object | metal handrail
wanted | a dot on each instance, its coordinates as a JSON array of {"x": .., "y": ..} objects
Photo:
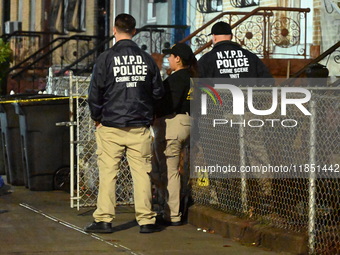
[
  {"x": 74, "y": 37},
  {"x": 256, "y": 11},
  {"x": 295, "y": 76},
  {"x": 146, "y": 28},
  {"x": 36, "y": 53},
  {"x": 5, "y": 37},
  {"x": 189, "y": 37},
  {"x": 89, "y": 53}
]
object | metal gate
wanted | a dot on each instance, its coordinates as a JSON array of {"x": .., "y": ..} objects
[{"x": 83, "y": 159}]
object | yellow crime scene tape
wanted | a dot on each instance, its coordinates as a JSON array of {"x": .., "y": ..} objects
[{"x": 38, "y": 99}]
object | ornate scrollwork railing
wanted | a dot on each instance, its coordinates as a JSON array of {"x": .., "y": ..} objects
[
  {"x": 337, "y": 57},
  {"x": 154, "y": 38},
  {"x": 266, "y": 31}
]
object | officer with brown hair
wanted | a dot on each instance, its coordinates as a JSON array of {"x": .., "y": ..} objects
[{"x": 125, "y": 82}]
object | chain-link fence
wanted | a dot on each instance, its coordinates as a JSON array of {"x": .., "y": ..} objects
[
  {"x": 279, "y": 169},
  {"x": 84, "y": 173},
  {"x": 297, "y": 189}
]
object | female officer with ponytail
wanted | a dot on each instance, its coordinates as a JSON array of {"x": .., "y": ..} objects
[{"x": 172, "y": 126}]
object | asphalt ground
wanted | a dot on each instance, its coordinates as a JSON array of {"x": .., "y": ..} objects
[{"x": 42, "y": 222}]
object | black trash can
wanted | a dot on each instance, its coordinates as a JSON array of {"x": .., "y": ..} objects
[
  {"x": 317, "y": 71},
  {"x": 317, "y": 75},
  {"x": 11, "y": 151},
  {"x": 46, "y": 147}
]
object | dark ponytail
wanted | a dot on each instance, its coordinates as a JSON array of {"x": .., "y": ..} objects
[{"x": 192, "y": 63}]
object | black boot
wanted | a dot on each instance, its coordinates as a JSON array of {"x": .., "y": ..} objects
[{"x": 99, "y": 227}]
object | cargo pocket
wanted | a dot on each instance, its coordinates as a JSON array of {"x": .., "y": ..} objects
[
  {"x": 184, "y": 129},
  {"x": 185, "y": 121},
  {"x": 171, "y": 134},
  {"x": 172, "y": 148}
]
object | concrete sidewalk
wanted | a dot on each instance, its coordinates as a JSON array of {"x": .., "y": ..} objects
[{"x": 43, "y": 223}]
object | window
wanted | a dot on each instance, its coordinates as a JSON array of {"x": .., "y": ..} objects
[
  {"x": 309, "y": 36},
  {"x": 68, "y": 15},
  {"x": 75, "y": 15},
  {"x": 151, "y": 12},
  {"x": 208, "y": 6},
  {"x": 244, "y": 3},
  {"x": 57, "y": 16},
  {"x": 126, "y": 6}
]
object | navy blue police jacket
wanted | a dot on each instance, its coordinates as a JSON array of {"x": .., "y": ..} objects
[
  {"x": 124, "y": 86},
  {"x": 228, "y": 59}
]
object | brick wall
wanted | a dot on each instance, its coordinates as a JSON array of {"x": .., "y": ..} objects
[
  {"x": 14, "y": 10},
  {"x": 39, "y": 15},
  {"x": 91, "y": 16},
  {"x": 25, "y": 17}
]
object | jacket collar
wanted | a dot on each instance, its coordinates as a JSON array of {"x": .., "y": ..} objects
[
  {"x": 226, "y": 42},
  {"x": 126, "y": 42}
]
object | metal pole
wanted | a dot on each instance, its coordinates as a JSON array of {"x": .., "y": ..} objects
[
  {"x": 312, "y": 178},
  {"x": 78, "y": 138},
  {"x": 71, "y": 140},
  {"x": 305, "y": 51},
  {"x": 150, "y": 31},
  {"x": 50, "y": 81},
  {"x": 243, "y": 163},
  {"x": 265, "y": 42}
]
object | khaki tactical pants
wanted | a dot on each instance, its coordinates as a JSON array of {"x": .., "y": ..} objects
[
  {"x": 111, "y": 143},
  {"x": 171, "y": 134}
]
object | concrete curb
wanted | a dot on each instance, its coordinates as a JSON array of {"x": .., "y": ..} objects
[{"x": 248, "y": 231}]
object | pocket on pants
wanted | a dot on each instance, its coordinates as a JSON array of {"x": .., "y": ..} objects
[
  {"x": 172, "y": 148},
  {"x": 99, "y": 150},
  {"x": 185, "y": 122},
  {"x": 146, "y": 149},
  {"x": 171, "y": 133}
]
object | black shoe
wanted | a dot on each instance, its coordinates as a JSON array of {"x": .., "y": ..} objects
[
  {"x": 150, "y": 228},
  {"x": 177, "y": 223},
  {"x": 99, "y": 227},
  {"x": 164, "y": 222}
]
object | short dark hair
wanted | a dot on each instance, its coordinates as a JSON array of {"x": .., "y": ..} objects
[{"x": 125, "y": 23}]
